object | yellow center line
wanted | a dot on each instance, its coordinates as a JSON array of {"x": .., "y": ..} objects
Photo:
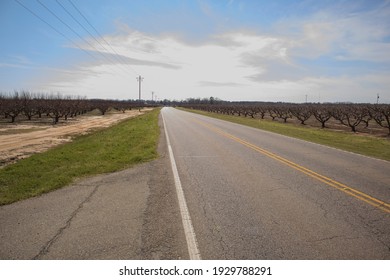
[{"x": 330, "y": 182}]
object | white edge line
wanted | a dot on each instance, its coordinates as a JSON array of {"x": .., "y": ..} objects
[{"x": 189, "y": 232}]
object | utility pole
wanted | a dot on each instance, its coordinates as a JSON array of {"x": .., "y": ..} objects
[
  {"x": 377, "y": 98},
  {"x": 139, "y": 79},
  {"x": 305, "y": 98},
  {"x": 152, "y": 95}
]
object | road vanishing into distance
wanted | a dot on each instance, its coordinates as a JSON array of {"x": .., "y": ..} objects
[
  {"x": 252, "y": 194},
  {"x": 217, "y": 191}
]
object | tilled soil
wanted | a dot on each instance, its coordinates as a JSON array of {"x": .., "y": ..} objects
[{"x": 19, "y": 141}]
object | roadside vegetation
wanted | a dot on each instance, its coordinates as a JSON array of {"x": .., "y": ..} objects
[
  {"x": 378, "y": 147},
  {"x": 26, "y": 106},
  {"x": 107, "y": 150}
]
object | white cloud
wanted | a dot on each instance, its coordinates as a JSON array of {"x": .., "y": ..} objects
[
  {"x": 175, "y": 67},
  {"x": 346, "y": 36},
  {"x": 243, "y": 65}
]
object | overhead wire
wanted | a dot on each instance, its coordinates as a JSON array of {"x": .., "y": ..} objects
[
  {"x": 92, "y": 54},
  {"x": 55, "y": 29},
  {"x": 98, "y": 33},
  {"x": 96, "y": 40},
  {"x": 78, "y": 35}
]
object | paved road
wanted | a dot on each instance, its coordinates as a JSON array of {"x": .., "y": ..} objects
[
  {"x": 250, "y": 195},
  {"x": 257, "y": 195},
  {"x": 131, "y": 214}
]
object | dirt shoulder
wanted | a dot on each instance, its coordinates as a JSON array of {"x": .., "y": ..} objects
[{"x": 19, "y": 141}]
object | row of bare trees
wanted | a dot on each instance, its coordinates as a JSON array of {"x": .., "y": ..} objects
[
  {"x": 350, "y": 115},
  {"x": 56, "y": 106}
]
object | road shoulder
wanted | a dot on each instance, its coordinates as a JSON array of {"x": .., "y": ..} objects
[{"x": 131, "y": 214}]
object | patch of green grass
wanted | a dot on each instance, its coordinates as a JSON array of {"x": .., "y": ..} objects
[
  {"x": 118, "y": 147},
  {"x": 365, "y": 145}
]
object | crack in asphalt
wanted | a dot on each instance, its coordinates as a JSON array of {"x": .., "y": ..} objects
[
  {"x": 323, "y": 209},
  {"x": 333, "y": 237},
  {"x": 378, "y": 233},
  {"x": 45, "y": 249},
  {"x": 214, "y": 230},
  {"x": 327, "y": 238}
]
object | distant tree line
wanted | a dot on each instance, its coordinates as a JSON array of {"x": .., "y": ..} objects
[
  {"x": 350, "y": 115},
  {"x": 28, "y": 105}
]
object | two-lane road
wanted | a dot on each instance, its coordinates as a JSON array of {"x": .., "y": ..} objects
[{"x": 258, "y": 195}]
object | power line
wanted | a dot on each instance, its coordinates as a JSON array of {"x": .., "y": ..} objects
[
  {"x": 78, "y": 35},
  {"x": 55, "y": 29},
  {"x": 79, "y": 23},
  {"x": 139, "y": 78},
  {"x": 99, "y": 35},
  {"x": 74, "y": 43}
]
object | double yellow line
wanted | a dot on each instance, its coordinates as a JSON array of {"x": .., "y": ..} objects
[{"x": 337, "y": 185}]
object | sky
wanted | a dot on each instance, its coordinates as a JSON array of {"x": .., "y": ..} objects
[{"x": 237, "y": 50}]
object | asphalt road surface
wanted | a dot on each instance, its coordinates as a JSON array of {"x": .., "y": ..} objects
[
  {"x": 257, "y": 195},
  {"x": 131, "y": 214},
  {"x": 243, "y": 193}
]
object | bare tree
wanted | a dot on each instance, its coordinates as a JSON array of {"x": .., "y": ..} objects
[
  {"x": 349, "y": 115},
  {"x": 282, "y": 112},
  {"x": 102, "y": 105},
  {"x": 13, "y": 106},
  {"x": 262, "y": 110},
  {"x": 381, "y": 115},
  {"x": 301, "y": 112},
  {"x": 29, "y": 104},
  {"x": 57, "y": 107},
  {"x": 2, "y": 103},
  {"x": 321, "y": 114},
  {"x": 272, "y": 113}
]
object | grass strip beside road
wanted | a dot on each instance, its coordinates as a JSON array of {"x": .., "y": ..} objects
[
  {"x": 366, "y": 145},
  {"x": 121, "y": 146}
]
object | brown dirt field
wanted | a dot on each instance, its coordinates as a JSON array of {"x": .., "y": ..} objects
[{"x": 19, "y": 140}]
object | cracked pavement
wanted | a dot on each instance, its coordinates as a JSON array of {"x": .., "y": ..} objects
[
  {"x": 245, "y": 205},
  {"x": 131, "y": 214}
]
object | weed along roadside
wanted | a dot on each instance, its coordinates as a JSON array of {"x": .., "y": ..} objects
[{"x": 118, "y": 147}]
